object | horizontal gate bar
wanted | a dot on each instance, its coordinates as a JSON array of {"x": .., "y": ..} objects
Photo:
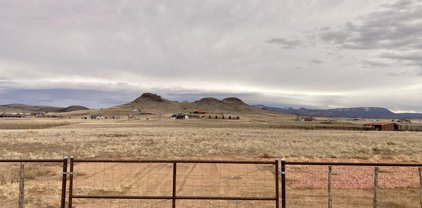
[
  {"x": 30, "y": 160},
  {"x": 120, "y": 197},
  {"x": 177, "y": 161},
  {"x": 226, "y": 198},
  {"x": 177, "y": 197},
  {"x": 356, "y": 164}
]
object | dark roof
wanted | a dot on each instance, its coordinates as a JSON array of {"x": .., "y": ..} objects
[{"x": 379, "y": 123}]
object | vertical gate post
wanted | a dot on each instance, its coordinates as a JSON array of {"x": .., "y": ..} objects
[
  {"x": 21, "y": 185},
  {"x": 174, "y": 185},
  {"x": 420, "y": 186},
  {"x": 376, "y": 187},
  {"x": 330, "y": 196},
  {"x": 277, "y": 184},
  {"x": 283, "y": 183},
  {"x": 64, "y": 177},
  {"x": 70, "y": 181}
]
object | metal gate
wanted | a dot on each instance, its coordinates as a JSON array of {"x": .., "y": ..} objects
[
  {"x": 207, "y": 183},
  {"x": 173, "y": 183}
]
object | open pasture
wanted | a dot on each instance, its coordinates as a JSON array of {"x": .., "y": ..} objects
[
  {"x": 195, "y": 139},
  {"x": 253, "y": 139}
]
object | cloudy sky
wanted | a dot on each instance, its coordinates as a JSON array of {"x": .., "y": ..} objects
[{"x": 311, "y": 53}]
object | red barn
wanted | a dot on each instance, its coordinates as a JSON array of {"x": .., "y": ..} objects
[{"x": 383, "y": 126}]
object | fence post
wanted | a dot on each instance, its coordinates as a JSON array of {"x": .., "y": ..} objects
[
  {"x": 277, "y": 184},
  {"x": 64, "y": 177},
  {"x": 376, "y": 187},
  {"x": 283, "y": 183},
  {"x": 21, "y": 185},
  {"x": 420, "y": 186},
  {"x": 330, "y": 197},
  {"x": 174, "y": 185},
  {"x": 70, "y": 182}
]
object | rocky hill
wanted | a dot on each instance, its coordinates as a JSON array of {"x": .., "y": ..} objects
[
  {"x": 149, "y": 103},
  {"x": 73, "y": 108},
  {"x": 152, "y": 103}
]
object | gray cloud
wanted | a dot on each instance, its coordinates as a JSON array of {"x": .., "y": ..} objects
[
  {"x": 412, "y": 58},
  {"x": 285, "y": 43},
  {"x": 396, "y": 74},
  {"x": 316, "y": 61},
  {"x": 371, "y": 63},
  {"x": 211, "y": 47},
  {"x": 395, "y": 27}
]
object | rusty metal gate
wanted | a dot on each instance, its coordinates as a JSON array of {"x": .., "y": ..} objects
[
  {"x": 207, "y": 183},
  {"x": 173, "y": 183}
]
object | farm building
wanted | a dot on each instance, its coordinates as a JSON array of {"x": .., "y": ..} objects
[
  {"x": 383, "y": 126},
  {"x": 304, "y": 118},
  {"x": 199, "y": 112},
  {"x": 12, "y": 115},
  {"x": 180, "y": 116}
]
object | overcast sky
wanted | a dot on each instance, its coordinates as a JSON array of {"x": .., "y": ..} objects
[{"x": 312, "y": 53}]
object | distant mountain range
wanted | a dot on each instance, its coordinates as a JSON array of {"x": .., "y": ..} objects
[
  {"x": 155, "y": 104},
  {"x": 149, "y": 103},
  {"x": 21, "y": 108},
  {"x": 359, "y": 112}
]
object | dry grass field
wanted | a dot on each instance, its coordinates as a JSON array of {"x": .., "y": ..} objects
[
  {"x": 251, "y": 138},
  {"x": 206, "y": 139},
  {"x": 30, "y": 123}
]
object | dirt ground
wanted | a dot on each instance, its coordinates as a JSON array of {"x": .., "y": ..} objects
[{"x": 306, "y": 186}]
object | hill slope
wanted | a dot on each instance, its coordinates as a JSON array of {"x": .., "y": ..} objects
[
  {"x": 152, "y": 103},
  {"x": 27, "y": 108},
  {"x": 359, "y": 112},
  {"x": 21, "y": 108},
  {"x": 73, "y": 108}
]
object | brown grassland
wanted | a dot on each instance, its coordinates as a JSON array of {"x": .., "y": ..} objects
[
  {"x": 250, "y": 137},
  {"x": 206, "y": 139}
]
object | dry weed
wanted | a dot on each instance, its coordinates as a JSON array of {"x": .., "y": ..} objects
[{"x": 195, "y": 140}]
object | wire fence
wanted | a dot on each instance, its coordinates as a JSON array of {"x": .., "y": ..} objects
[
  {"x": 353, "y": 185},
  {"x": 23, "y": 182},
  {"x": 195, "y": 183}
]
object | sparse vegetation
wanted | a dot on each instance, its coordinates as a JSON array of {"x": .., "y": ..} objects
[
  {"x": 40, "y": 180},
  {"x": 31, "y": 124},
  {"x": 205, "y": 139}
]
